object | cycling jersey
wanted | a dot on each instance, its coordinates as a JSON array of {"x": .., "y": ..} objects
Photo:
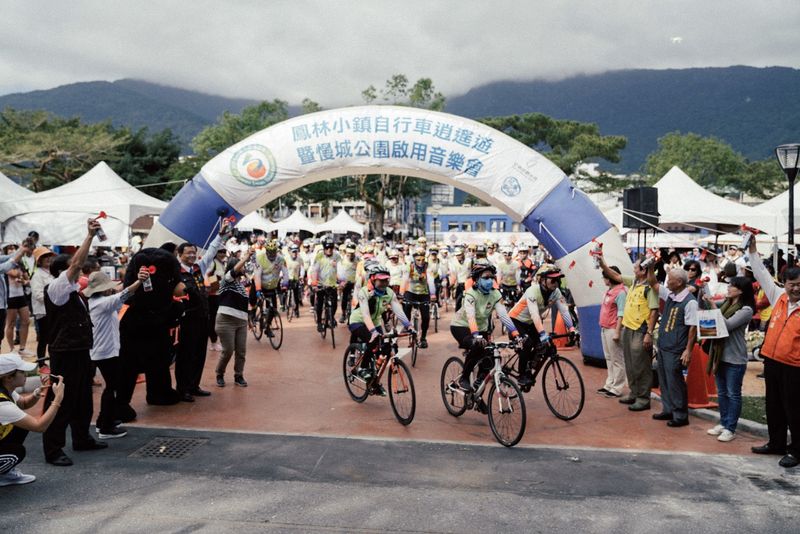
[
  {"x": 477, "y": 309},
  {"x": 324, "y": 269},
  {"x": 366, "y": 299},
  {"x": 508, "y": 272},
  {"x": 532, "y": 302},
  {"x": 269, "y": 272},
  {"x": 397, "y": 272},
  {"x": 295, "y": 268},
  {"x": 460, "y": 270},
  {"x": 420, "y": 281},
  {"x": 347, "y": 270}
]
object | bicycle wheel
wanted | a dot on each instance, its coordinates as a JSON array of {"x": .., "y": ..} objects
[
  {"x": 435, "y": 315},
  {"x": 289, "y": 305},
  {"x": 506, "y": 412},
  {"x": 414, "y": 345},
  {"x": 401, "y": 392},
  {"x": 452, "y": 396},
  {"x": 357, "y": 388},
  {"x": 258, "y": 323},
  {"x": 276, "y": 327},
  {"x": 331, "y": 318},
  {"x": 562, "y": 387}
]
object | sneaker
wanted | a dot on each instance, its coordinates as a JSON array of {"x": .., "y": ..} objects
[
  {"x": 269, "y": 333},
  {"x": 240, "y": 381},
  {"x": 627, "y": 399},
  {"x": 365, "y": 373},
  {"x": 715, "y": 431},
  {"x": 726, "y": 435},
  {"x": 117, "y": 432},
  {"x": 320, "y": 327},
  {"x": 464, "y": 384},
  {"x": 342, "y": 318},
  {"x": 220, "y": 381},
  {"x": 525, "y": 380},
  {"x": 423, "y": 343},
  {"x": 15, "y": 477},
  {"x": 27, "y": 355},
  {"x": 378, "y": 390}
]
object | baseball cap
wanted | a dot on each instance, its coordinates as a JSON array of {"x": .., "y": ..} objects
[{"x": 11, "y": 362}]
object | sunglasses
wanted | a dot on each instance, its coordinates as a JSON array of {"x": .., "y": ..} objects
[{"x": 692, "y": 269}]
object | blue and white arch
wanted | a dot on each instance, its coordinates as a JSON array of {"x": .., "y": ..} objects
[{"x": 412, "y": 142}]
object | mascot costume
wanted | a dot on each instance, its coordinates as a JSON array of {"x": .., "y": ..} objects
[{"x": 147, "y": 330}]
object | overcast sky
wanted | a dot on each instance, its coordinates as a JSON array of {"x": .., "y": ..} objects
[{"x": 330, "y": 51}]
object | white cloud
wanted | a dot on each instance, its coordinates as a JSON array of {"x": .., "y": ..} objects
[{"x": 331, "y": 51}]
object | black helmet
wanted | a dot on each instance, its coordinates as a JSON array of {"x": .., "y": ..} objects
[
  {"x": 480, "y": 267},
  {"x": 327, "y": 242}
]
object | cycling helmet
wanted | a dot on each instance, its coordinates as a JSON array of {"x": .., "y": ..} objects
[
  {"x": 350, "y": 250},
  {"x": 548, "y": 270},
  {"x": 458, "y": 251},
  {"x": 369, "y": 249},
  {"x": 379, "y": 240},
  {"x": 376, "y": 271},
  {"x": 422, "y": 239},
  {"x": 507, "y": 251},
  {"x": 433, "y": 249},
  {"x": 294, "y": 248},
  {"x": 480, "y": 250},
  {"x": 327, "y": 243},
  {"x": 480, "y": 267},
  {"x": 393, "y": 254},
  {"x": 271, "y": 247},
  {"x": 419, "y": 252}
]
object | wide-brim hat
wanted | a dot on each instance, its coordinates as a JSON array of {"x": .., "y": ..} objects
[
  {"x": 99, "y": 282},
  {"x": 11, "y": 362},
  {"x": 40, "y": 252}
]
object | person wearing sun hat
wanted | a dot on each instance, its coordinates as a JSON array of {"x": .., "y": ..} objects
[
  {"x": 14, "y": 422},
  {"x": 42, "y": 256}
]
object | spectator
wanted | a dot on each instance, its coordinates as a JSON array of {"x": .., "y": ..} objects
[
  {"x": 212, "y": 280},
  {"x": 17, "y": 302},
  {"x": 232, "y": 320},
  {"x": 14, "y": 422},
  {"x": 728, "y": 356},
  {"x": 104, "y": 307},
  {"x": 70, "y": 340},
  {"x": 781, "y": 362},
  {"x": 7, "y": 263},
  {"x": 41, "y": 277},
  {"x": 611, "y": 313}
]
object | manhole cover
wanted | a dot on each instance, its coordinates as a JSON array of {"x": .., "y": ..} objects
[{"x": 172, "y": 448}]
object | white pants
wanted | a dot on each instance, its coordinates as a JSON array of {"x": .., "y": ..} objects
[{"x": 615, "y": 362}]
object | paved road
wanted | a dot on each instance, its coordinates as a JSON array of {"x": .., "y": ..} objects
[{"x": 277, "y": 483}]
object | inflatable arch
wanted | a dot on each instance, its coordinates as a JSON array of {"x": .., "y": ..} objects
[{"x": 413, "y": 142}]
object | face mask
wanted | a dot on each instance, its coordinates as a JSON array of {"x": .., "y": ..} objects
[
  {"x": 485, "y": 285},
  {"x": 380, "y": 292}
]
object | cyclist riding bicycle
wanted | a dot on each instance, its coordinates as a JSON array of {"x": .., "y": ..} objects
[
  {"x": 436, "y": 267},
  {"x": 376, "y": 297},
  {"x": 508, "y": 275},
  {"x": 459, "y": 272},
  {"x": 347, "y": 275},
  {"x": 324, "y": 279},
  {"x": 527, "y": 315},
  {"x": 397, "y": 271},
  {"x": 527, "y": 268},
  {"x": 294, "y": 265},
  {"x": 419, "y": 289},
  {"x": 270, "y": 271},
  {"x": 470, "y": 325}
]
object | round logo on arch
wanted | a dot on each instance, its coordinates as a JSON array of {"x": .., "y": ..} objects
[{"x": 253, "y": 165}]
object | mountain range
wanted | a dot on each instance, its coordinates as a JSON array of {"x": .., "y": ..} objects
[{"x": 753, "y": 109}]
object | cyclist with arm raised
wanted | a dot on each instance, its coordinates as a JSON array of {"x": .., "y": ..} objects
[{"x": 470, "y": 325}]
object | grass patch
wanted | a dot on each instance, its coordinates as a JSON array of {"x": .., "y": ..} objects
[{"x": 753, "y": 409}]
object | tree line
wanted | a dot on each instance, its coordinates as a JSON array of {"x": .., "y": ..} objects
[{"x": 46, "y": 151}]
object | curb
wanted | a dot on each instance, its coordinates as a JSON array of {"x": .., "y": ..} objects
[{"x": 746, "y": 425}]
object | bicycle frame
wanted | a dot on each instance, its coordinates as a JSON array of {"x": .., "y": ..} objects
[{"x": 387, "y": 341}]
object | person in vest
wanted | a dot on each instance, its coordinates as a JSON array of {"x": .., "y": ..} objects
[
  {"x": 70, "y": 340},
  {"x": 527, "y": 315},
  {"x": 213, "y": 277},
  {"x": 420, "y": 290},
  {"x": 347, "y": 274},
  {"x": 611, "y": 311},
  {"x": 470, "y": 324},
  {"x": 459, "y": 272},
  {"x": 376, "y": 297},
  {"x": 324, "y": 279},
  {"x": 14, "y": 422},
  {"x": 677, "y": 333},
  {"x": 508, "y": 274},
  {"x": 270, "y": 274},
  {"x": 781, "y": 353},
  {"x": 296, "y": 270},
  {"x": 190, "y": 356},
  {"x": 638, "y": 324},
  {"x": 526, "y": 268},
  {"x": 397, "y": 271}
]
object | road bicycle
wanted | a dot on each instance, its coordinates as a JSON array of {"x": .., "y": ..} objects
[
  {"x": 362, "y": 378},
  {"x": 504, "y": 405},
  {"x": 416, "y": 320},
  {"x": 290, "y": 304},
  {"x": 562, "y": 384},
  {"x": 257, "y": 319},
  {"x": 328, "y": 313}
]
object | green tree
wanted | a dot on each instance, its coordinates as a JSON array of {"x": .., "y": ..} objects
[
  {"x": 145, "y": 161},
  {"x": 47, "y": 151},
  {"x": 232, "y": 128},
  {"x": 566, "y": 143}
]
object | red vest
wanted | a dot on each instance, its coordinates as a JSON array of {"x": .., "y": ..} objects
[
  {"x": 608, "y": 309},
  {"x": 782, "y": 342}
]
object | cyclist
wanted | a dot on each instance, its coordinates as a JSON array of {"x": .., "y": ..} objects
[
  {"x": 347, "y": 274},
  {"x": 419, "y": 289},
  {"x": 508, "y": 274},
  {"x": 526, "y": 268},
  {"x": 527, "y": 314},
  {"x": 470, "y": 324},
  {"x": 324, "y": 279},
  {"x": 435, "y": 267},
  {"x": 376, "y": 297},
  {"x": 294, "y": 265},
  {"x": 459, "y": 272},
  {"x": 270, "y": 272},
  {"x": 397, "y": 271},
  {"x": 380, "y": 250}
]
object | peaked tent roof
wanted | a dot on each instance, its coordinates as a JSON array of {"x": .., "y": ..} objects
[
  {"x": 254, "y": 221},
  {"x": 682, "y": 200},
  {"x": 779, "y": 206},
  {"x": 294, "y": 223},
  {"x": 11, "y": 192},
  {"x": 341, "y": 224}
]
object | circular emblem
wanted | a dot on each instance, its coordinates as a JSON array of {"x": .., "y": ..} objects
[
  {"x": 511, "y": 187},
  {"x": 253, "y": 165}
]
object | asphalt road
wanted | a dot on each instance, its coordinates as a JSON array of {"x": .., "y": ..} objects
[{"x": 283, "y": 483}]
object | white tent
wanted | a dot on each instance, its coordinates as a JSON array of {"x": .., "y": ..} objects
[
  {"x": 254, "y": 221},
  {"x": 59, "y": 215},
  {"x": 294, "y": 223},
  {"x": 341, "y": 224},
  {"x": 10, "y": 194},
  {"x": 779, "y": 207}
]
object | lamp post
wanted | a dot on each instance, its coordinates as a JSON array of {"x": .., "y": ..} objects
[{"x": 789, "y": 158}]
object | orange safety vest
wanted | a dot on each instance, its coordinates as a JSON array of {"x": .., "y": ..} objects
[{"x": 782, "y": 342}]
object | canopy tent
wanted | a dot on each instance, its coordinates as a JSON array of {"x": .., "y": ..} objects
[
  {"x": 779, "y": 207},
  {"x": 343, "y": 223},
  {"x": 10, "y": 193},
  {"x": 254, "y": 221},
  {"x": 661, "y": 240},
  {"x": 294, "y": 223},
  {"x": 59, "y": 214}
]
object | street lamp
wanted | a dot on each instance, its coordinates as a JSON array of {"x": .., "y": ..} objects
[{"x": 789, "y": 158}]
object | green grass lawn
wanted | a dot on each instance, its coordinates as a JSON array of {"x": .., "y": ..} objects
[{"x": 753, "y": 409}]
